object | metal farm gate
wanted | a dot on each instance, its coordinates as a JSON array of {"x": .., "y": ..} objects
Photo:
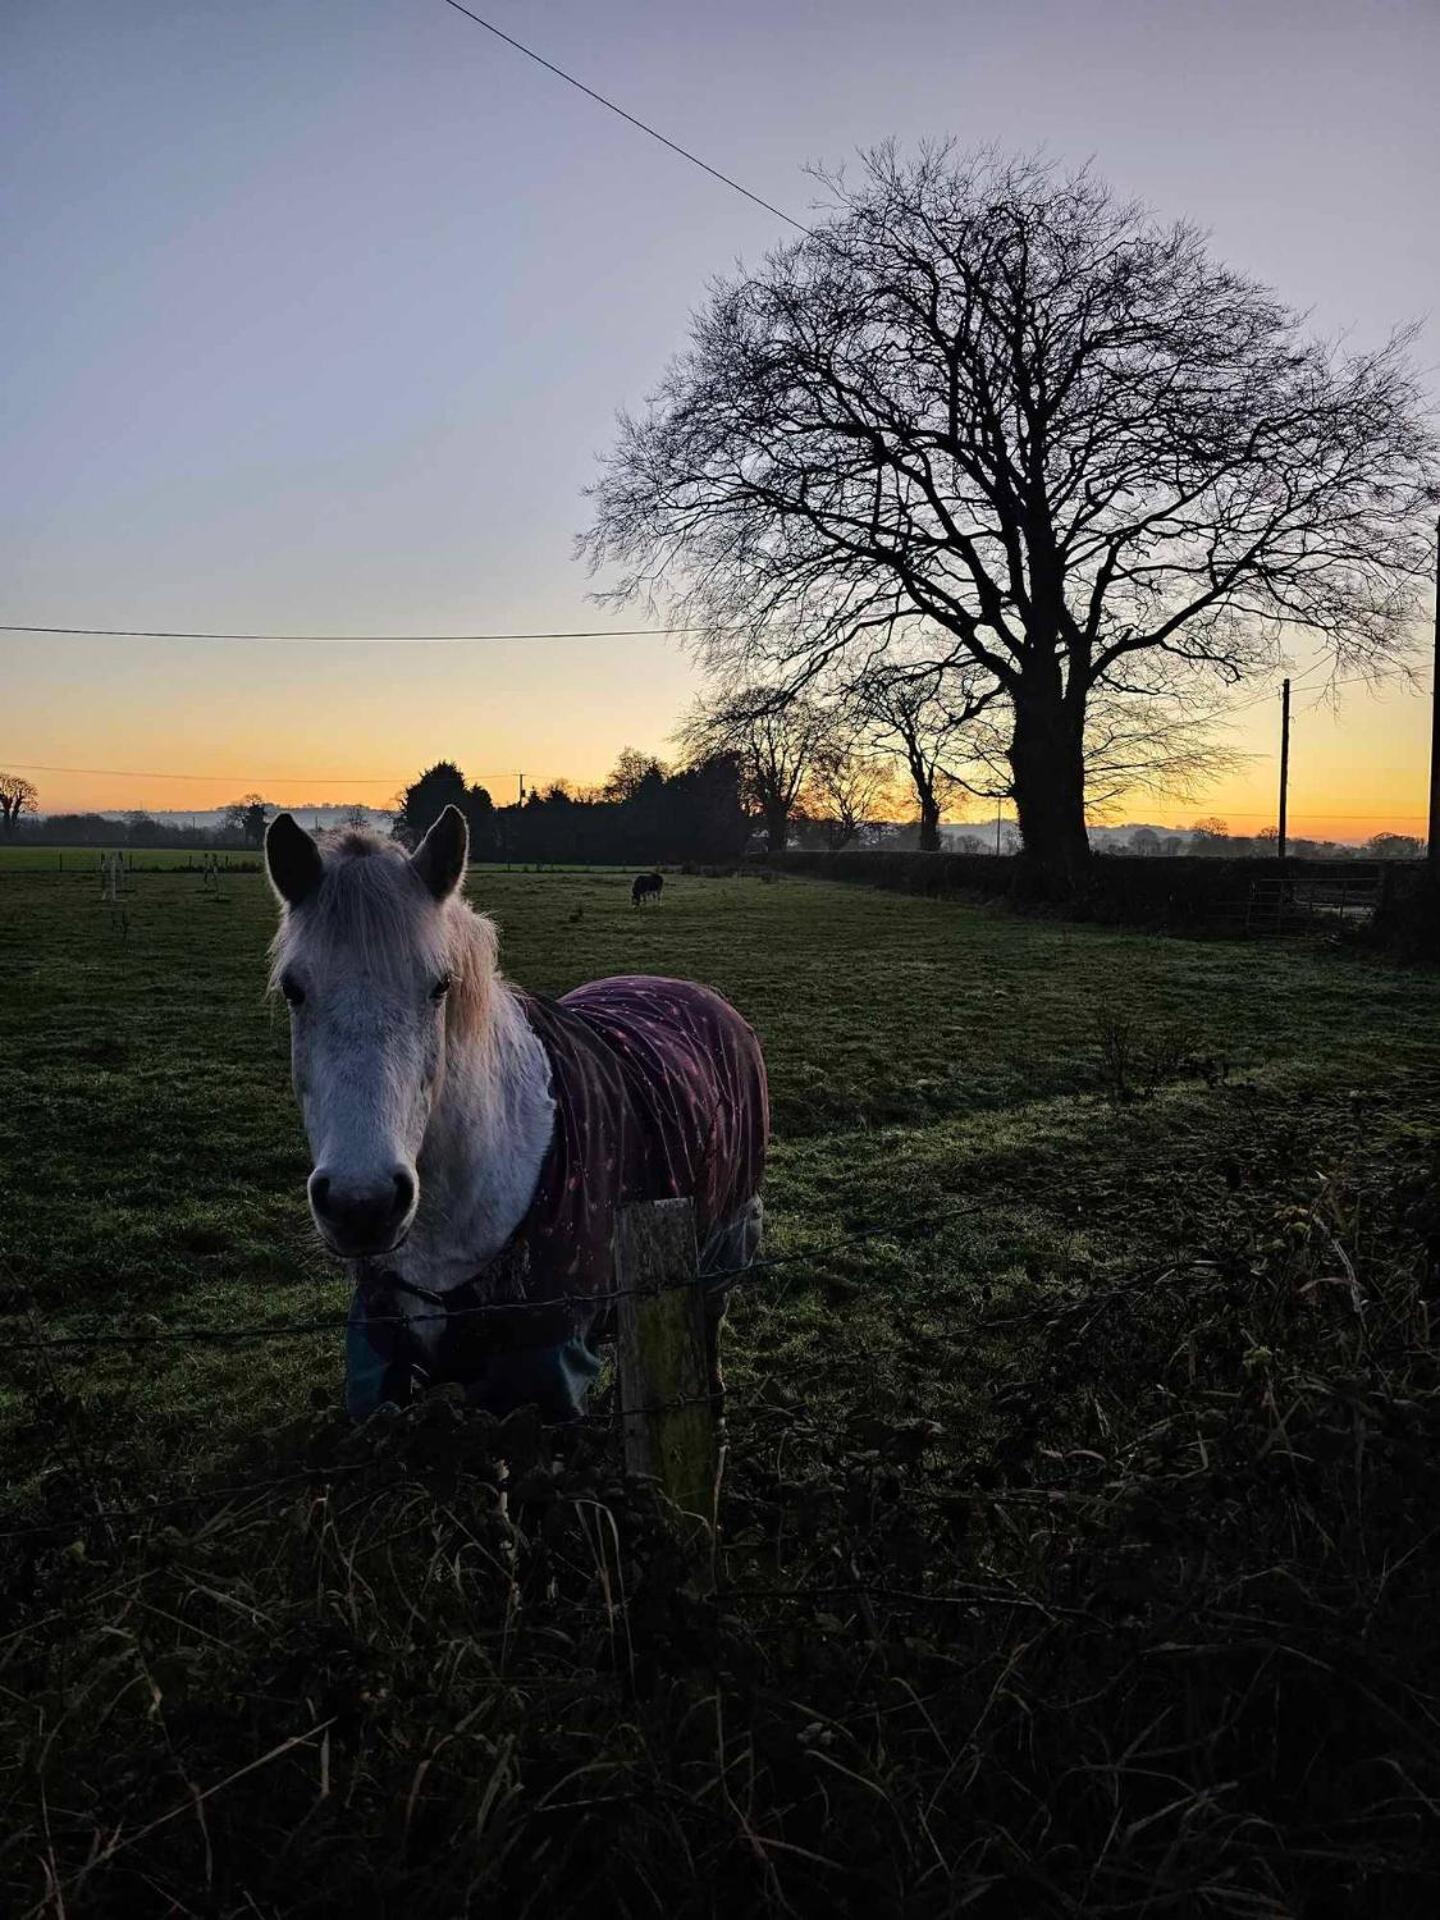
[{"x": 1307, "y": 901}]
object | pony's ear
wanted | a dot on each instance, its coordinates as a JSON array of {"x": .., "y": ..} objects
[
  {"x": 440, "y": 857},
  {"x": 292, "y": 860}
]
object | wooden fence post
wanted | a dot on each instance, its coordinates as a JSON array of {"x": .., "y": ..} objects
[{"x": 664, "y": 1377}]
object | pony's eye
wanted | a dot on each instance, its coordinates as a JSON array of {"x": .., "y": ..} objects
[
  {"x": 292, "y": 989},
  {"x": 441, "y": 987}
]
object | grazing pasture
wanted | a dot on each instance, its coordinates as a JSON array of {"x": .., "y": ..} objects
[
  {"x": 1078, "y": 1548},
  {"x": 37, "y": 858}
]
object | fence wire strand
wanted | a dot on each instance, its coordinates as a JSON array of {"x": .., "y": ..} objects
[
  {"x": 607, "y": 1422},
  {"x": 216, "y": 1498},
  {"x": 336, "y": 1323}
]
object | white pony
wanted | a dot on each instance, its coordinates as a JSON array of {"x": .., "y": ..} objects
[{"x": 454, "y": 1118}]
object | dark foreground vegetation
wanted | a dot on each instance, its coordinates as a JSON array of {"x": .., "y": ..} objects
[{"x": 1078, "y": 1549}]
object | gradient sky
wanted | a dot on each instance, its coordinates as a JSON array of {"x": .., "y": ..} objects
[{"x": 318, "y": 314}]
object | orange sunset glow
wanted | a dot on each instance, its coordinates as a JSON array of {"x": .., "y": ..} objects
[{"x": 170, "y": 725}]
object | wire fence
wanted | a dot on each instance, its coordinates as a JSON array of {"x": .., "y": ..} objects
[
  {"x": 216, "y": 1498},
  {"x": 320, "y": 1474},
  {"x": 336, "y": 1323}
]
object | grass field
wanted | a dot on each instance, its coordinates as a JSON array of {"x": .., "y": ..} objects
[
  {"x": 1079, "y": 1550},
  {"x": 86, "y": 860},
  {"x": 57, "y": 860}
]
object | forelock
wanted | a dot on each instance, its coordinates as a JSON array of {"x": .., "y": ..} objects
[{"x": 373, "y": 912}]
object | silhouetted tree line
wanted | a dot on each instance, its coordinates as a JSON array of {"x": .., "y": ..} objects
[
  {"x": 130, "y": 830},
  {"x": 645, "y": 814},
  {"x": 240, "y": 829},
  {"x": 1212, "y": 839}
]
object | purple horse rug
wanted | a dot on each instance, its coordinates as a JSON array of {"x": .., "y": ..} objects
[{"x": 659, "y": 1091}]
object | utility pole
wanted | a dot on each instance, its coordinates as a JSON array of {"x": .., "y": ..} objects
[
  {"x": 1284, "y": 765},
  {"x": 521, "y": 778},
  {"x": 1432, "y": 851},
  {"x": 997, "y": 827}
]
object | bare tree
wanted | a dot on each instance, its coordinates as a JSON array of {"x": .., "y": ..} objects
[
  {"x": 248, "y": 817},
  {"x": 1210, "y": 835},
  {"x": 926, "y": 716},
  {"x": 1162, "y": 739},
  {"x": 775, "y": 738},
  {"x": 1008, "y": 403},
  {"x": 847, "y": 790},
  {"x": 17, "y": 795},
  {"x": 632, "y": 772},
  {"x": 357, "y": 817},
  {"x": 954, "y": 734},
  {"x": 1394, "y": 846}
]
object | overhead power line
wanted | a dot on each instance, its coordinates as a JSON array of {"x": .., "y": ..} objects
[
  {"x": 1310, "y": 680},
  {"x": 173, "y": 633},
  {"x": 274, "y": 779},
  {"x": 599, "y": 98},
  {"x": 618, "y": 633}
]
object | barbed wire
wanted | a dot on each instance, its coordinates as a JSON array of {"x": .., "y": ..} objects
[{"x": 336, "y": 1323}]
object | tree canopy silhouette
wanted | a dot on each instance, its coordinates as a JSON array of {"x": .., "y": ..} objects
[
  {"x": 926, "y": 717},
  {"x": 641, "y": 814},
  {"x": 421, "y": 804},
  {"x": 17, "y": 795},
  {"x": 999, "y": 413},
  {"x": 772, "y": 740},
  {"x": 248, "y": 817}
]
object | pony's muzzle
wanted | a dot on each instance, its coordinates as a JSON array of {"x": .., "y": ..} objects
[{"x": 362, "y": 1216}]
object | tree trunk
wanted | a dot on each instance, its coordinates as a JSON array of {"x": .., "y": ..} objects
[
  {"x": 1047, "y": 758},
  {"x": 777, "y": 829},
  {"x": 929, "y": 823}
]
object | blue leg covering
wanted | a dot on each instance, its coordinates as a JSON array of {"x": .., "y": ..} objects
[{"x": 383, "y": 1363}]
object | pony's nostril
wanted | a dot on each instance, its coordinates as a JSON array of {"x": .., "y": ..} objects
[
  {"x": 404, "y": 1192},
  {"x": 319, "y": 1191}
]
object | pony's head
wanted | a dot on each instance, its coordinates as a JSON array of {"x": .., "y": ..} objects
[{"x": 383, "y": 966}]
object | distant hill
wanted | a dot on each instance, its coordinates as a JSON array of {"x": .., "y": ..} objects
[
  {"x": 328, "y": 813},
  {"x": 1106, "y": 839}
]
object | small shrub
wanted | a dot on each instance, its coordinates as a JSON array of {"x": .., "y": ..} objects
[{"x": 1135, "y": 1063}]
